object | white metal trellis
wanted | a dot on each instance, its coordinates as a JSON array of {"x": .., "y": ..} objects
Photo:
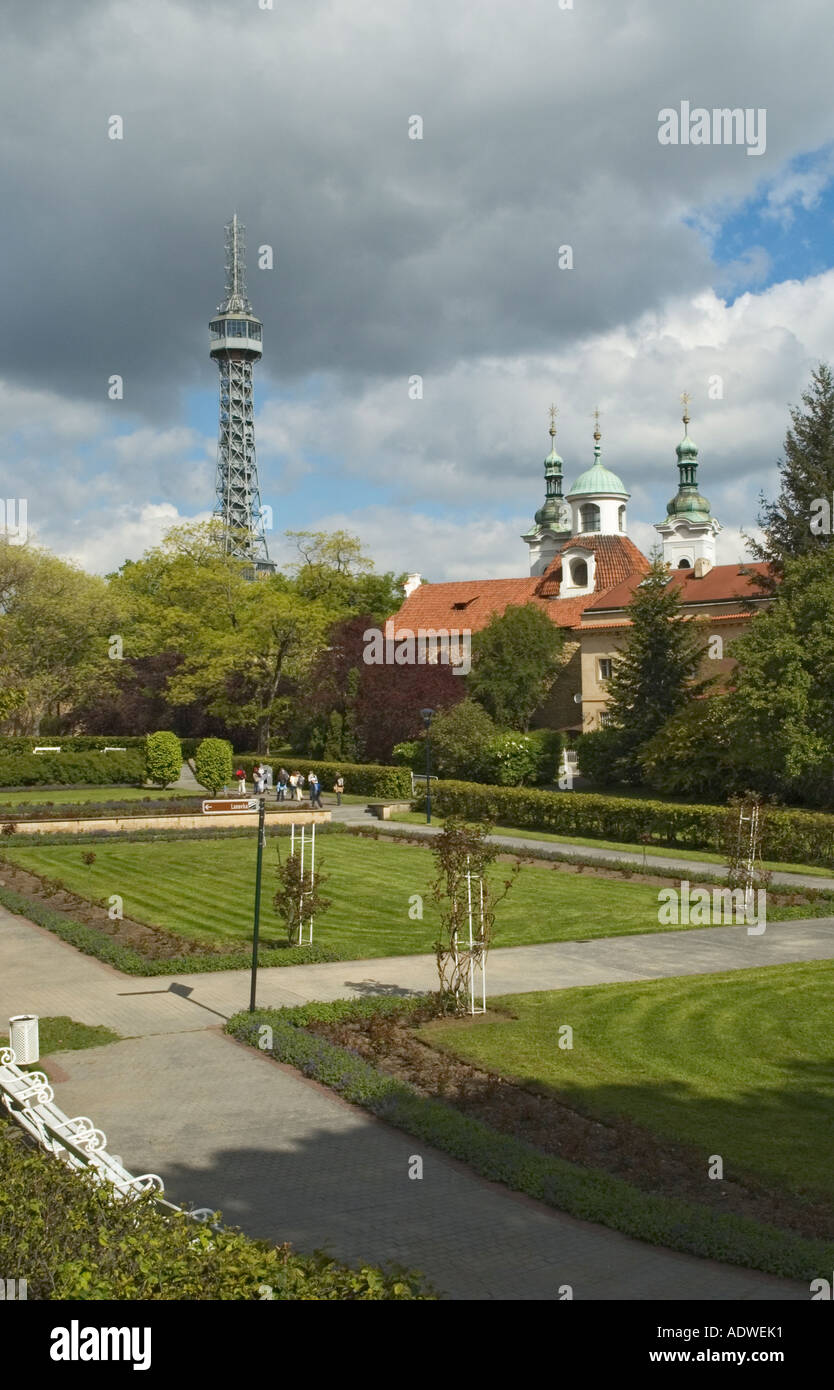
[
  {"x": 305, "y": 892},
  {"x": 474, "y": 958},
  {"x": 750, "y": 851}
]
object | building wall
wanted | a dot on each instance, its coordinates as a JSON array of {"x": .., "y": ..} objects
[
  {"x": 607, "y": 642},
  {"x": 559, "y": 710}
]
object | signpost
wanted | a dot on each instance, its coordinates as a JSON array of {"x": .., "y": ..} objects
[{"x": 240, "y": 803}]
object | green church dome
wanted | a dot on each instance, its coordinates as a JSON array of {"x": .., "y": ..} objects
[{"x": 597, "y": 478}]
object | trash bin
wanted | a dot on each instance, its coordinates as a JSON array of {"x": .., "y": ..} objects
[{"x": 23, "y": 1038}]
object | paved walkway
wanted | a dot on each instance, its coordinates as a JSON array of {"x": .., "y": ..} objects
[
  {"x": 592, "y": 853},
  {"x": 229, "y": 1128}
]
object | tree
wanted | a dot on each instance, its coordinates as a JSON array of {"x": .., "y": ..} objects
[
  {"x": 807, "y": 476},
  {"x": 163, "y": 758},
  {"x": 55, "y": 628},
  {"x": 463, "y": 855},
  {"x": 333, "y": 569},
  {"x": 213, "y": 764},
  {"x": 782, "y": 709},
  {"x": 298, "y": 896},
  {"x": 654, "y": 673},
  {"x": 242, "y": 646},
  {"x": 515, "y": 660},
  {"x": 459, "y": 740},
  {"x": 692, "y": 753}
]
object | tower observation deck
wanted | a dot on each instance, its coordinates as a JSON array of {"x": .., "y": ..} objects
[{"x": 236, "y": 345}]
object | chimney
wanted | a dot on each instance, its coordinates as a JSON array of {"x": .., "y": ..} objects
[
  {"x": 702, "y": 566},
  {"x": 412, "y": 582}
]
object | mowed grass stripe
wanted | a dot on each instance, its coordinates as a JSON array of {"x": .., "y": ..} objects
[
  {"x": 740, "y": 1065},
  {"x": 204, "y": 889}
]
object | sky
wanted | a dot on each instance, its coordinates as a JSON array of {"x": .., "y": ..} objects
[{"x": 700, "y": 267}]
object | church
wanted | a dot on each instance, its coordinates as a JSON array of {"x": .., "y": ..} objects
[{"x": 583, "y": 571}]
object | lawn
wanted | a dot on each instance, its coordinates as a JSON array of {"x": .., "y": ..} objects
[
  {"x": 203, "y": 889},
  {"x": 63, "y": 1034},
  {"x": 703, "y": 856},
  {"x": 738, "y": 1064}
]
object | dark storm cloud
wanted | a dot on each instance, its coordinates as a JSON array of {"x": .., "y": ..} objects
[{"x": 392, "y": 255}]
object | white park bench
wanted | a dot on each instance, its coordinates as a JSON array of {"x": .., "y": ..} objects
[
  {"x": 30, "y": 1100},
  {"x": 42, "y": 748}
]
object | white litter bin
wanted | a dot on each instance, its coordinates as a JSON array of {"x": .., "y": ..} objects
[{"x": 23, "y": 1038}]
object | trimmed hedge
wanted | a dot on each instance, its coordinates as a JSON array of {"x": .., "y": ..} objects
[
  {"x": 361, "y": 779},
  {"x": 791, "y": 836},
  {"x": 587, "y": 1193},
  {"x": 101, "y": 810},
  {"x": 70, "y": 1238},
  {"x": 72, "y": 769},
  {"x": 68, "y": 743},
  {"x": 123, "y": 958}
]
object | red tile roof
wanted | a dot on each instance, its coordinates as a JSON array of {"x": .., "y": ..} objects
[
  {"x": 617, "y": 561},
  {"x": 463, "y": 603},
  {"x": 471, "y": 603},
  {"x": 719, "y": 585}
]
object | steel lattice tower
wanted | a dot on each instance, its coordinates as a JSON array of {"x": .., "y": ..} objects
[{"x": 236, "y": 338}]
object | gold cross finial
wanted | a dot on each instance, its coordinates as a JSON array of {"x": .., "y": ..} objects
[
  {"x": 553, "y": 413},
  {"x": 685, "y": 399},
  {"x": 597, "y": 435}
]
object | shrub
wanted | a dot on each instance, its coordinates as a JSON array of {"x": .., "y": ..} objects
[
  {"x": 163, "y": 758},
  {"x": 71, "y": 1239},
  {"x": 794, "y": 836},
  {"x": 69, "y": 743},
  {"x": 598, "y": 757},
  {"x": 548, "y": 745},
  {"x": 510, "y": 760},
  {"x": 213, "y": 764},
  {"x": 459, "y": 737},
  {"x": 72, "y": 769},
  {"x": 692, "y": 754},
  {"x": 411, "y": 754}
]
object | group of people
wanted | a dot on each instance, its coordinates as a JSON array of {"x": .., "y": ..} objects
[{"x": 290, "y": 785}]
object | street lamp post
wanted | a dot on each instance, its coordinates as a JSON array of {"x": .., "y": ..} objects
[
  {"x": 255, "y": 934},
  {"x": 428, "y": 715}
]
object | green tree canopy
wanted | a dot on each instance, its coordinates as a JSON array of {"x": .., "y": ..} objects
[
  {"x": 807, "y": 475},
  {"x": 333, "y": 569},
  {"x": 653, "y": 675},
  {"x": 55, "y": 628},
  {"x": 783, "y": 704},
  {"x": 515, "y": 660}
]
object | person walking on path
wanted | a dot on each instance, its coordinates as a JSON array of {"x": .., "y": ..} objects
[
  {"x": 315, "y": 791},
  {"x": 259, "y": 777},
  {"x": 299, "y": 785},
  {"x": 241, "y": 781},
  {"x": 338, "y": 787},
  {"x": 281, "y": 784}
]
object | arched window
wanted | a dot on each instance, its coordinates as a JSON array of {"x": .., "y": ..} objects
[
  {"x": 622, "y": 513},
  {"x": 589, "y": 517},
  {"x": 684, "y": 564},
  {"x": 579, "y": 573}
]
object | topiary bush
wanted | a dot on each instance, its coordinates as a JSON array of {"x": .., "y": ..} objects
[
  {"x": 213, "y": 764},
  {"x": 163, "y": 758}
]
